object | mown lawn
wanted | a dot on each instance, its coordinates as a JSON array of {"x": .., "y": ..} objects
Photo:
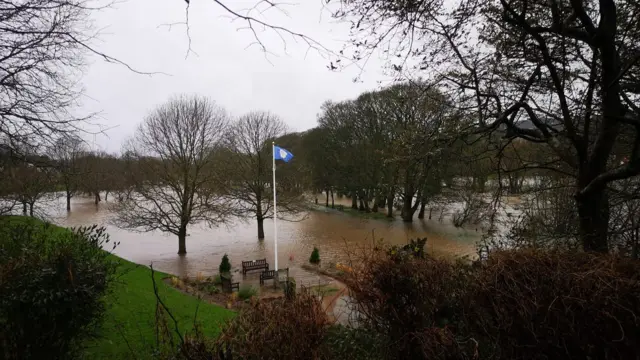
[
  {"x": 128, "y": 331},
  {"x": 129, "y": 324}
]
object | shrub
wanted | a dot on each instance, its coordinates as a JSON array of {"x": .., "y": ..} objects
[
  {"x": 414, "y": 248},
  {"x": 52, "y": 282},
  {"x": 217, "y": 280},
  {"x": 277, "y": 330},
  {"x": 225, "y": 265},
  {"x": 408, "y": 301},
  {"x": 212, "y": 289},
  {"x": 315, "y": 256},
  {"x": 345, "y": 342},
  {"x": 247, "y": 292},
  {"x": 518, "y": 304},
  {"x": 532, "y": 304},
  {"x": 290, "y": 288}
]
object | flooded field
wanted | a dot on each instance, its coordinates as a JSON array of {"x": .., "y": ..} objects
[{"x": 331, "y": 232}]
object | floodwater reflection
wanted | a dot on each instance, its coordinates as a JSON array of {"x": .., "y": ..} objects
[{"x": 331, "y": 232}]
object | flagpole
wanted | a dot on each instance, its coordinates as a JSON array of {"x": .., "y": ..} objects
[{"x": 275, "y": 214}]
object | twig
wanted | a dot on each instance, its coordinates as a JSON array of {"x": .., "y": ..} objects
[{"x": 159, "y": 300}]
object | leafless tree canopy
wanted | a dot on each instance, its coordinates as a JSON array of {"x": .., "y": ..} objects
[
  {"x": 41, "y": 55},
  {"x": 176, "y": 183},
  {"x": 570, "y": 69},
  {"x": 253, "y": 17},
  {"x": 250, "y": 169},
  {"x": 66, "y": 153}
]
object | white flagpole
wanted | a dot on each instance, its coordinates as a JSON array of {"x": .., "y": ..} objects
[{"x": 275, "y": 214}]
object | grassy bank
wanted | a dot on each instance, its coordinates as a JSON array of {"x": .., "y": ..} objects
[
  {"x": 128, "y": 330},
  {"x": 129, "y": 325},
  {"x": 381, "y": 215}
]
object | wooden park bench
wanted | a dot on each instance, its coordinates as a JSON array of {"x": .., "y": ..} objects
[
  {"x": 340, "y": 207},
  {"x": 254, "y": 265},
  {"x": 271, "y": 274},
  {"x": 227, "y": 285},
  {"x": 266, "y": 275}
]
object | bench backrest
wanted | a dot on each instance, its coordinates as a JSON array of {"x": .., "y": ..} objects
[
  {"x": 254, "y": 262},
  {"x": 268, "y": 273}
]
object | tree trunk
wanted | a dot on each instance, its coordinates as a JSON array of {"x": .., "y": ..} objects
[
  {"x": 326, "y": 201},
  {"x": 376, "y": 202},
  {"x": 182, "y": 239},
  {"x": 31, "y": 209},
  {"x": 430, "y": 211},
  {"x": 406, "y": 213},
  {"x": 408, "y": 207},
  {"x": 106, "y": 195},
  {"x": 260, "y": 228},
  {"x": 421, "y": 213},
  {"x": 593, "y": 210},
  {"x": 259, "y": 216},
  {"x": 333, "y": 205},
  {"x": 97, "y": 199},
  {"x": 68, "y": 201},
  {"x": 361, "y": 208},
  {"x": 354, "y": 201},
  {"x": 390, "y": 205},
  {"x": 634, "y": 248}
]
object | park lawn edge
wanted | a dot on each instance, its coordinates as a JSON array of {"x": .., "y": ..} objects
[{"x": 128, "y": 329}]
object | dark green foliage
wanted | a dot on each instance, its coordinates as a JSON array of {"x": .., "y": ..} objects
[
  {"x": 415, "y": 248},
  {"x": 225, "y": 265},
  {"x": 210, "y": 288},
  {"x": 217, "y": 280},
  {"x": 52, "y": 284},
  {"x": 315, "y": 256},
  {"x": 247, "y": 292}
]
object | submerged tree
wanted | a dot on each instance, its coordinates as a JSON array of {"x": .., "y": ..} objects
[
  {"x": 570, "y": 70},
  {"x": 176, "y": 183},
  {"x": 249, "y": 168},
  {"x": 66, "y": 153}
]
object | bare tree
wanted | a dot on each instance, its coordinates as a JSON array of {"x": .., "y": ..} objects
[
  {"x": 568, "y": 69},
  {"x": 66, "y": 154},
  {"x": 254, "y": 18},
  {"x": 42, "y": 47},
  {"x": 250, "y": 170},
  {"x": 175, "y": 152},
  {"x": 29, "y": 177}
]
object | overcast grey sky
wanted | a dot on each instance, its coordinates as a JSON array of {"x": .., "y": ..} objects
[{"x": 238, "y": 78}]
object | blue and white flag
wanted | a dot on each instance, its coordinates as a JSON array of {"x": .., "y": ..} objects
[{"x": 281, "y": 154}]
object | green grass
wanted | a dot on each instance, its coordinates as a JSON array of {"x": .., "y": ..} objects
[
  {"x": 325, "y": 290},
  {"x": 129, "y": 323}
]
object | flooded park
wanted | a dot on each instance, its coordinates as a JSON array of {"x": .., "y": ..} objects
[{"x": 332, "y": 232}]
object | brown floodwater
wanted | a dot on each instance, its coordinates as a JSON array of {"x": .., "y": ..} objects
[{"x": 333, "y": 233}]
